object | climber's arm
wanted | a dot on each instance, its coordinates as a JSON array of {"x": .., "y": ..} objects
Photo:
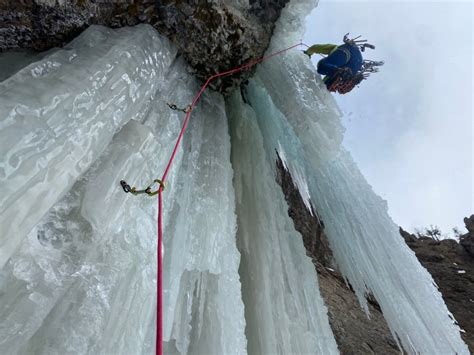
[{"x": 320, "y": 49}]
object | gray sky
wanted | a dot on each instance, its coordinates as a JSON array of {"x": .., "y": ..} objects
[{"x": 410, "y": 127}]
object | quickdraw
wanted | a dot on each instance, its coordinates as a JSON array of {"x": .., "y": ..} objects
[
  {"x": 126, "y": 188},
  {"x": 176, "y": 108}
]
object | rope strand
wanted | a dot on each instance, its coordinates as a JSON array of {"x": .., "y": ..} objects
[{"x": 159, "y": 308}]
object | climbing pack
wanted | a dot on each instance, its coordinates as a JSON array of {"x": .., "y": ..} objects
[{"x": 344, "y": 80}]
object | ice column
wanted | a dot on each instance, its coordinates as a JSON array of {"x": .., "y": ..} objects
[
  {"x": 57, "y": 115},
  {"x": 203, "y": 296},
  {"x": 283, "y": 307}
]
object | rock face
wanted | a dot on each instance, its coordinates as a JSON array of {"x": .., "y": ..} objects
[
  {"x": 212, "y": 35},
  {"x": 452, "y": 266},
  {"x": 467, "y": 240},
  {"x": 215, "y": 36},
  {"x": 43, "y": 24},
  {"x": 355, "y": 333}
]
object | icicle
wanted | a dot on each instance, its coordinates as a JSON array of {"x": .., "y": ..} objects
[{"x": 295, "y": 112}]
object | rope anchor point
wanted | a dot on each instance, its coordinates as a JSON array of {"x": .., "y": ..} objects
[
  {"x": 176, "y": 108},
  {"x": 126, "y": 188}
]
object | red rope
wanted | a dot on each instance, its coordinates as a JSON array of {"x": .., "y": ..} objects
[{"x": 159, "y": 289}]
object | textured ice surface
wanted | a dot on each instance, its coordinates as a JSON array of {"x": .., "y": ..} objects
[
  {"x": 59, "y": 114},
  {"x": 78, "y": 256},
  {"x": 84, "y": 278},
  {"x": 202, "y": 224},
  {"x": 82, "y": 284},
  {"x": 297, "y": 115},
  {"x": 283, "y": 307}
]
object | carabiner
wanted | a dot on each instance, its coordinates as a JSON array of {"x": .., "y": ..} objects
[{"x": 160, "y": 188}]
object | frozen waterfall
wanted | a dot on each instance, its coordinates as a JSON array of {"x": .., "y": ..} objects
[
  {"x": 78, "y": 256},
  {"x": 83, "y": 279},
  {"x": 365, "y": 241}
]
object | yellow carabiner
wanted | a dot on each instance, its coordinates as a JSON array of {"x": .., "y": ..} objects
[{"x": 160, "y": 189}]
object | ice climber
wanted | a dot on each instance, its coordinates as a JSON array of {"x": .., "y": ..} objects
[{"x": 343, "y": 67}]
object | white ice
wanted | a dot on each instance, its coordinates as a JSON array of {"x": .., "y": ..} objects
[
  {"x": 78, "y": 255},
  {"x": 60, "y": 113},
  {"x": 297, "y": 115},
  {"x": 284, "y": 310},
  {"x": 84, "y": 278}
]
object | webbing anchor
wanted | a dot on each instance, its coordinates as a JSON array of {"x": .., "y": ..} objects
[
  {"x": 176, "y": 108},
  {"x": 126, "y": 188}
]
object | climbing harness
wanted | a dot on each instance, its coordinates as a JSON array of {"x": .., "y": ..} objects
[
  {"x": 187, "y": 110},
  {"x": 126, "y": 187},
  {"x": 176, "y": 108}
]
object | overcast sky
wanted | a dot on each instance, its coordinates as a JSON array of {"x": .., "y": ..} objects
[{"x": 410, "y": 127}]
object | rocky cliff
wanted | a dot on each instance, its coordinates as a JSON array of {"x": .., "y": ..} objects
[
  {"x": 452, "y": 266},
  {"x": 212, "y": 35}
]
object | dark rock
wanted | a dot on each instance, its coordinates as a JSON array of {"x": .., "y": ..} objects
[
  {"x": 469, "y": 222},
  {"x": 434, "y": 258},
  {"x": 355, "y": 333},
  {"x": 468, "y": 243},
  {"x": 306, "y": 222},
  {"x": 41, "y": 25},
  {"x": 467, "y": 240},
  {"x": 452, "y": 268},
  {"x": 212, "y": 35},
  {"x": 409, "y": 238}
]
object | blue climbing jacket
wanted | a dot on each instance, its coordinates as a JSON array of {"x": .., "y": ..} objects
[
  {"x": 344, "y": 68},
  {"x": 344, "y": 56}
]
